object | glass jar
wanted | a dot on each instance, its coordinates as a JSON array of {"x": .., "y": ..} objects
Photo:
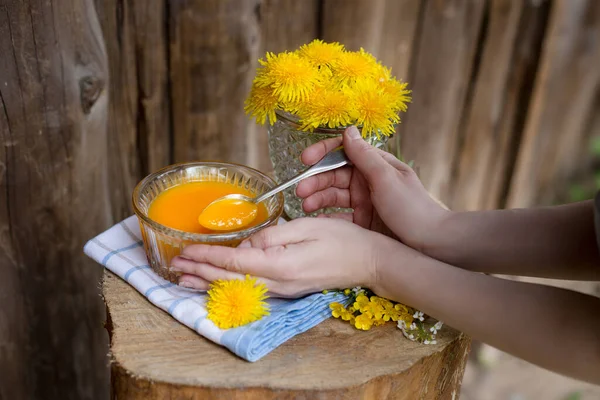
[
  {"x": 163, "y": 243},
  {"x": 286, "y": 143}
]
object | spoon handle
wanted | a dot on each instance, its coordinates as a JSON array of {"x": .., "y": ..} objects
[{"x": 332, "y": 160}]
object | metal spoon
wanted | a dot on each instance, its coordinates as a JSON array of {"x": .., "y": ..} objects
[{"x": 332, "y": 160}]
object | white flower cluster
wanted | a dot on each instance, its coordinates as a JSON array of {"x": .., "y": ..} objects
[{"x": 417, "y": 332}]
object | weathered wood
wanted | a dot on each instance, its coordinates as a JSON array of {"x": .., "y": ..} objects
[
  {"x": 518, "y": 92},
  {"x": 386, "y": 28},
  {"x": 485, "y": 114},
  {"x": 284, "y": 25},
  {"x": 443, "y": 67},
  {"x": 53, "y": 196},
  {"x": 355, "y": 23},
  {"x": 135, "y": 33},
  {"x": 287, "y": 24},
  {"x": 155, "y": 357},
  {"x": 563, "y": 97},
  {"x": 213, "y": 48},
  {"x": 501, "y": 94},
  {"x": 582, "y": 178}
]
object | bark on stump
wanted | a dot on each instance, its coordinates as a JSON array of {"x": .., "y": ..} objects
[{"x": 155, "y": 357}]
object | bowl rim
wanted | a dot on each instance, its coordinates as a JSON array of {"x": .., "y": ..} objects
[{"x": 205, "y": 237}]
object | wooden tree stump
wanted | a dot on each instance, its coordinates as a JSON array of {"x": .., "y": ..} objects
[{"x": 155, "y": 357}]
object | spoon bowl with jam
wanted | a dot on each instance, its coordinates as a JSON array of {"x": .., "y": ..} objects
[{"x": 235, "y": 211}]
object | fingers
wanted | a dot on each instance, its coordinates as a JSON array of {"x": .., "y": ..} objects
[
  {"x": 364, "y": 156},
  {"x": 253, "y": 259},
  {"x": 278, "y": 236},
  {"x": 201, "y": 269},
  {"x": 197, "y": 275},
  {"x": 242, "y": 261},
  {"x": 394, "y": 161},
  {"x": 361, "y": 200},
  {"x": 273, "y": 256},
  {"x": 339, "y": 178},
  {"x": 330, "y": 197},
  {"x": 345, "y": 216},
  {"x": 314, "y": 153},
  {"x": 193, "y": 282}
]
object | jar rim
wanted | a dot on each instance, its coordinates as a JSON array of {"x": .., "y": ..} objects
[{"x": 294, "y": 120}]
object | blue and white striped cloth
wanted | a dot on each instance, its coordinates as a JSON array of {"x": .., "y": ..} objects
[{"x": 120, "y": 249}]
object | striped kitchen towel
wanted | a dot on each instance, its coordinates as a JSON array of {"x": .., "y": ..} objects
[{"x": 120, "y": 249}]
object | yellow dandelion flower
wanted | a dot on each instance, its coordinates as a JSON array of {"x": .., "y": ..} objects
[
  {"x": 323, "y": 85},
  {"x": 261, "y": 104},
  {"x": 233, "y": 303},
  {"x": 363, "y": 322},
  {"x": 320, "y": 53},
  {"x": 373, "y": 109},
  {"x": 397, "y": 92},
  {"x": 382, "y": 73},
  {"x": 378, "y": 322},
  {"x": 292, "y": 77},
  {"x": 327, "y": 107},
  {"x": 351, "y": 66},
  {"x": 347, "y": 292}
]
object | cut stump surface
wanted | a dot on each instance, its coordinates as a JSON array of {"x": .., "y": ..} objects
[{"x": 156, "y": 357}]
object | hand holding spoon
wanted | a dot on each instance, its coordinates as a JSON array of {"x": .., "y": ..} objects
[{"x": 236, "y": 211}]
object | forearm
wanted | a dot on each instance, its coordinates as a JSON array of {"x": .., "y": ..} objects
[
  {"x": 554, "y": 328},
  {"x": 552, "y": 242}
]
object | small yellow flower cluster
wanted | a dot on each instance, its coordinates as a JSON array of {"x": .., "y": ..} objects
[
  {"x": 368, "y": 311},
  {"x": 364, "y": 310},
  {"x": 233, "y": 303},
  {"x": 325, "y": 85}
]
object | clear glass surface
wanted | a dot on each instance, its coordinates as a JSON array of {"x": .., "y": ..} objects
[
  {"x": 163, "y": 243},
  {"x": 286, "y": 143}
]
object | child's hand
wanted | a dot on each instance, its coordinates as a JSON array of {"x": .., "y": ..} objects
[
  {"x": 303, "y": 256},
  {"x": 379, "y": 187}
]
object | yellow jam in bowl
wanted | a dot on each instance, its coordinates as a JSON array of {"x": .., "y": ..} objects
[
  {"x": 180, "y": 206},
  {"x": 169, "y": 202}
]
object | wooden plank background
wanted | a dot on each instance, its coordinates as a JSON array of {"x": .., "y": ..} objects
[
  {"x": 53, "y": 194},
  {"x": 506, "y": 98},
  {"x": 478, "y": 70}
]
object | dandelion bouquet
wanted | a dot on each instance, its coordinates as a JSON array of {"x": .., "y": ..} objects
[{"x": 324, "y": 85}]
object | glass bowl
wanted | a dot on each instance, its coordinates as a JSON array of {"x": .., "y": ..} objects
[{"x": 163, "y": 243}]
